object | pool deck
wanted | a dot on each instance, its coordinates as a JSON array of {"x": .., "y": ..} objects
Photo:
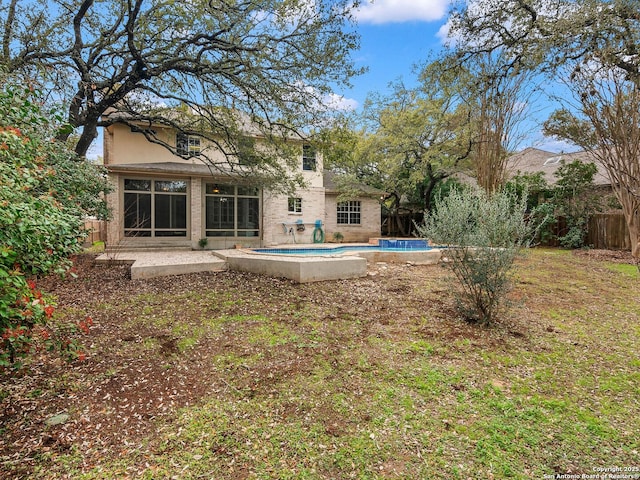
[{"x": 300, "y": 268}]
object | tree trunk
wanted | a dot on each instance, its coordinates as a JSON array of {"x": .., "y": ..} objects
[
  {"x": 89, "y": 134},
  {"x": 400, "y": 224},
  {"x": 432, "y": 181},
  {"x": 633, "y": 223},
  {"x": 631, "y": 209}
]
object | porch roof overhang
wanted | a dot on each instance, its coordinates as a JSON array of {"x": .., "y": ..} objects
[{"x": 167, "y": 168}]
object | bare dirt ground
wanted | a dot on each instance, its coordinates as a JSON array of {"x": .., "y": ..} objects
[
  {"x": 616, "y": 256},
  {"x": 138, "y": 374}
]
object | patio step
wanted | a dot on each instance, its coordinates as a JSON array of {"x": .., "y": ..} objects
[{"x": 159, "y": 264}]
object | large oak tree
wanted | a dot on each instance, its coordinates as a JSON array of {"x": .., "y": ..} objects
[
  {"x": 408, "y": 143},
  {"x": 231, "y": 65}
]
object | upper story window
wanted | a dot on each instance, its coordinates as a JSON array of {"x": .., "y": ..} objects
[
  {"x": 308, "y": 158},
  {"x": 187, "y": 145}
]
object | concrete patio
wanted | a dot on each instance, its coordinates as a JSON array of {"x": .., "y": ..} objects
[{"x": 164, "y": 263}]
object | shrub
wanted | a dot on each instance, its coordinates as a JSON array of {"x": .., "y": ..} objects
[
  {"x": 484, "y": 235},
  {"x": 576, "y": 198},
  {"x": 45, "y": 194}
]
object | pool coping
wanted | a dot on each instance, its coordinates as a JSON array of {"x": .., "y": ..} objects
[
  {"x": 414, "y": 256},
  {"x": 314, "y": 268}
]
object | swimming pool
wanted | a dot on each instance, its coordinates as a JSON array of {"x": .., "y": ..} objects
[
  {"x": 384, "y": 245},
  {"x": 334, "y": 250},
  {"x": 312, "y": 263}
]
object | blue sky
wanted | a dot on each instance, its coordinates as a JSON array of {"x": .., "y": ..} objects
[{"x": 395, "y": 35}]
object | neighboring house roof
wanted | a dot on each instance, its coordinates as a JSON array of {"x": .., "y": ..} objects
[
  {"x": 532, "y": 160},
  {"x": 331, "y": 186}
]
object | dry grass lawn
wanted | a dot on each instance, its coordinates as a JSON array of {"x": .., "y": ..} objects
[{"x": 233, "y": 376}]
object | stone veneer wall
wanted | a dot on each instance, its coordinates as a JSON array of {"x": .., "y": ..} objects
[
  {"x": 370, "y": 221},
  {"x": 275, "y": 214},
  {"x": 315, "y": 206}
]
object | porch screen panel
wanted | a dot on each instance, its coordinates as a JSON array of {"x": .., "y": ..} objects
[
  {"x": 170, "y": 208},
  {"x": 170, "y": 215},
  {"x": 232, "y": 211},
  {"x": 137, "y": 208},
  {"x": 248, "y": 217},
  {"x": 220, "y": 216},
  {"x": 155, "y": 208}
]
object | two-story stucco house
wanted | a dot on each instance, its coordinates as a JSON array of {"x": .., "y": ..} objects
[{"x": 162, "y": 200}]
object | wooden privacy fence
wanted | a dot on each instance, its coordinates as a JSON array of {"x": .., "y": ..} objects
[
  {"x": 608, "y": 231},
  {"x": 97, "y": 231}
]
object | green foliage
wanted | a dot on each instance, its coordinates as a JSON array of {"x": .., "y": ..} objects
[
  {"x": 408, "y": 142},
  {"x": 484, "y": 234},
  {"x": 45, "y": 193},
  {"x": 575, "y": 198},
  {"x": 591, "y": 48},
  {"x": 536, "y": 190},
  {"x": 564, "y": 124},
  {"x": 444, "y": 188},
  {"x": 533, "y": 185},
  {"x": 419, "y": 137}
]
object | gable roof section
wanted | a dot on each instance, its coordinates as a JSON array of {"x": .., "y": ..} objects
[{"x": 532, "y": 160}]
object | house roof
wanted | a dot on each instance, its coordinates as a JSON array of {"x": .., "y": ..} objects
[
  {"x": 533, "y": 160},
  {"x": 331, "y": 186},
  {"x": 247, "y": 125}
]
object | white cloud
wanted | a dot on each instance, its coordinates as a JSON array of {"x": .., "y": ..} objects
[
  {"x": 443, "y": 34},
  {"x": 398, "y": 11},
  {"x": 553, "y": 145},
  {"x": 339, "y": 103}
]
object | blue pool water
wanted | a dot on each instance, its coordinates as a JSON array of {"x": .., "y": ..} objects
[
  {"x": 383, "y": 246},
  {"x": 403, "y": 244}
]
